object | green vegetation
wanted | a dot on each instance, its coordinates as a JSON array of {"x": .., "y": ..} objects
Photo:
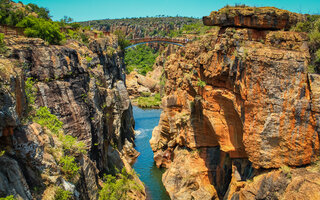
[
  {"x": 44, "y": 117},
  {"x": 30, "y": 91},
  {"x": 149, "y": 101},
  {"x": 117, "y": 187},
  {"x": 201, "y": 83},
  {"x": 122, "y": 41},
  {"x": 71, "y": 144},
  {"x": 3, "y": 47},
  {"x": 141, "y": 58},
  {"x": 312, "y": 27},
  {"x": 41, "y": 28},
  {"x": 286, "y": 170},
  {"x": 11, "y": 14},
  {"x": 2, "y": 153},
  {"x": 11, "y": 197},
  {"x": 195, "y": 28},
  {"x": 62, "y": 194},
  {"x": 69, "y": 167}
]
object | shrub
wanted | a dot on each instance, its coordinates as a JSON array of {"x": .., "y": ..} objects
[
  {"x": 88, "y": 58},
  {"x": 46, "y": 30},
  {"x": 201, "y": 83},
  {"x": 69, "y": 167},
  {"x": 3, "y": 47},
  {"x": 286, "y": 170},
  {"x": 62, "y": 194},
  {"x": 71, "y": 144},
  {"x": 122, "y": 41},
  {"x": 11, "y": 197},
  {"x": 30, "y": 91},
  {"x": 117, "y": 187},
  {"x": 44, "y": 117}
]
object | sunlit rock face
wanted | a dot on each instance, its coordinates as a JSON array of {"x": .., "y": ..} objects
[
  {"x": 85, "y": 88},
  {"x": 245, "y": 92}
]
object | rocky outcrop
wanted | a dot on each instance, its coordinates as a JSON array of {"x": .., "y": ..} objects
[
  {"x": 270, "y": 18},
  {"x": 84, "y": 87},
  {"x": 241, "y": 99}
]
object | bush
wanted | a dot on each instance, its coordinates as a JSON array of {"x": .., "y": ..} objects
[
  {"x": 117, "y": 187},
  {"x": 122, "y": 41},
  {"x": 44, "y": 117},
  {"x": 30, "y": 91},
  {"x": 69, "y": 167},
  {"x": 3, "y": 47},
  {"x": 11, "y": 197},
  {"x": 62, "y": 194},
  {"x": 46, "y": 30},
  {"x": 201, "y": 83},
  {"x": 71, "y": 144}
]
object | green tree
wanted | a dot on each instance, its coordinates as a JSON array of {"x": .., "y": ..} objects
[
  {"x": 122, "y": 41},
  {"x": 140, "y": 58},
  {"x": 38, "y": 27}
]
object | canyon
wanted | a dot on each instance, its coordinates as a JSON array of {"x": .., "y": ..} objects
[{"x": 240, "y": 111}]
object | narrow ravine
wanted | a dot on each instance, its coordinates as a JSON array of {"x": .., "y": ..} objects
[{"x": 145, "y": 121}]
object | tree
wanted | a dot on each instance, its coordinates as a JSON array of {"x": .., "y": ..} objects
[
  {"x": 38, "y": 27},
  {"x": 122, "y": 41}
]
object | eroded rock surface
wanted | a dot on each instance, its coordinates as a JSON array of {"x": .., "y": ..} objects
[
  {"x": 270, "y": 18},
  {"x": 85, "y": 88},
  {"x": 245, "y": 92}
]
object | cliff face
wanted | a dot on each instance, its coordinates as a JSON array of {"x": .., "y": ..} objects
[
  {"x": 84, "y": 87},
  {"x": 237, "y": 101},
  {"x": 142, "y": 27}
]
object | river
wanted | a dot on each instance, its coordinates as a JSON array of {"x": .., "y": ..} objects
[{"x": 146, "y": 120}]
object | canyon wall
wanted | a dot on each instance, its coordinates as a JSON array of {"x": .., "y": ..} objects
[
  {"x": 239, "y": 104},
  {"x": 142, "y": 27},
  {"x": 84, "y": 86}
]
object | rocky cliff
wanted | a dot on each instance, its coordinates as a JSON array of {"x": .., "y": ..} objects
[
  {"x": 84, "y": 86},
  {"x": 142, "y": 27},
  {"x": 239, "y": 104}
]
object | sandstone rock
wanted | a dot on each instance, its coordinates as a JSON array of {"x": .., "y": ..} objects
[
  {"x": 188, "y": 178},
  {"x": 245, "y": 92},
  {"x": 295, "y": 184},
  {"x": 253, "y": 17}
]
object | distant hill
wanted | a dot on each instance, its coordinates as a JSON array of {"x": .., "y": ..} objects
[{"x": 143, "y": 27}]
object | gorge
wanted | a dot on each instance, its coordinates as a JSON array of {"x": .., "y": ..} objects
[{"x": 235, "y": 112}]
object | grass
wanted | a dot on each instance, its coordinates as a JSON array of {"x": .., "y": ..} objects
[{"x": 150, "y": 101}]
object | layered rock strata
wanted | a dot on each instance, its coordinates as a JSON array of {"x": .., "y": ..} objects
[
  {"x": 85, "y": 88},
  {"x": 236, "y": 102},
  {"x": 270, "y": 18}
]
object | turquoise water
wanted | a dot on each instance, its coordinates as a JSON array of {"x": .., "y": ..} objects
[{"x": 146, "y": 120}]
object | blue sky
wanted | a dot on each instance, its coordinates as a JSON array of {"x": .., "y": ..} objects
[{"x": 82, "y": 10}]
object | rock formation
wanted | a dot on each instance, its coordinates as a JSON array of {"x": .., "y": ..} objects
[
  {"x": 239, "y": 103},
  {"x": 142, "y": 27},
  {"x": 85, "y": 88},
  {"x": 269, "y": 18}
]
